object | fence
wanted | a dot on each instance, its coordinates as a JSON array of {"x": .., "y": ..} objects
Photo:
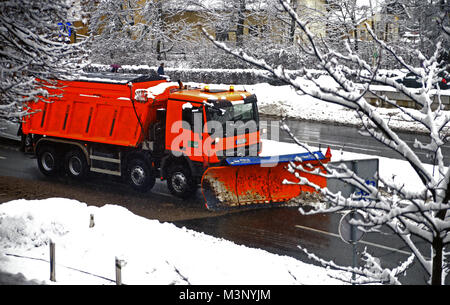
[
  {"x": 118, "y": 263},
  {"x": 403, "y": 100}
]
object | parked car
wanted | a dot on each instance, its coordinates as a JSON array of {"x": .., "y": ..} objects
[
  {"x": 9, "y": 128},
  {"x": 444, "y": 84},
  {"x": 413, "y": 81}
]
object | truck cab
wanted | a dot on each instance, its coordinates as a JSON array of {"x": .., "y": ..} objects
[
  {"x": 204, "y": 126},
  {"x": 208, "y": 126}
]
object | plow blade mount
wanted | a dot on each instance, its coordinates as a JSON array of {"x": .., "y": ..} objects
[{"x": 259, "y": 180}]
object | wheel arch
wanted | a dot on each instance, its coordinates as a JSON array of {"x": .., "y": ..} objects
[
  {"x": 139, "y": 157},
  {"x": 136, "y": 154},
  {"x": 170, "y": 159},
  {"x": 59, "y": 144}
]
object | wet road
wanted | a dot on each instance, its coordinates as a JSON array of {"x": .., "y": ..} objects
[{"x": 347, "y": 138}]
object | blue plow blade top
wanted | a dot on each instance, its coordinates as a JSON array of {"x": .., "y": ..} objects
[{"x": 238, "y": 161}]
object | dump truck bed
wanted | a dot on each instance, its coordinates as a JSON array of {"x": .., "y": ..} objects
[{"x": 95, "y": 108}]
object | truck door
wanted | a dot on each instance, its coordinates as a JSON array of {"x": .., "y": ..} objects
[
  {"x": 184, "y": 128},
  {"x": 193, "y": 116}
]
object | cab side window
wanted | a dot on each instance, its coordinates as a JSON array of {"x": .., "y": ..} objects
[{"x": 194, "y": 117}]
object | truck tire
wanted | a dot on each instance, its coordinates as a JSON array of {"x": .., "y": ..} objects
[
  {"x": 75, "y": 164},
  {"x": 140, "y": 176},
  {"x": 179, "y": 181},
  {"x": 48, "y": 160}
]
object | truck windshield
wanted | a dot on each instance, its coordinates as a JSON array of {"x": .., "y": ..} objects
[
  {"x": 234, "y": 113},
  {"x": 234, "y": 116}
]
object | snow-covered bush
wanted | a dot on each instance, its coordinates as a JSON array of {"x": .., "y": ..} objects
[{"x": 212, "y": 76}]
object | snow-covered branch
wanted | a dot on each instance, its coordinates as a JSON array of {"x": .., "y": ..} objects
[
  {"x": 33, "y": 46},
  {"x": 419, "y": 213},
  {"x": 372, "y": 272}
]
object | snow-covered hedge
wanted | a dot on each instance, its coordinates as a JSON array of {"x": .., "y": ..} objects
[{"x": 216, "y": 76}]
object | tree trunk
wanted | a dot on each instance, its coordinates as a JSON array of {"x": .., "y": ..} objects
[
  {"x": 293, "y": 25},
  {"x": 240, "y": 23},
  {"x": 160, "y": 22},
  {"x": 436, "y": 272},
  {"x": 158, "y": 50}
]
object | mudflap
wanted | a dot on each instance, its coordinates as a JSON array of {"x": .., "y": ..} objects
[{"x": 259, "y": 180}]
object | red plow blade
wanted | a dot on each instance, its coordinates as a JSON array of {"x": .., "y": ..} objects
[{"x": 258, "y": 180}]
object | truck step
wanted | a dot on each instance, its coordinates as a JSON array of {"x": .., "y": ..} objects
[
  {"x": 105, "y": 163},
  {"x": 105, "y": 171},
  {"x": 105, "y": 159}
]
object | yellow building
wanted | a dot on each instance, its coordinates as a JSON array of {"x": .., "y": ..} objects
[
  {"x": 384, "y": 21},
  {"x": 221, "y": 19}
]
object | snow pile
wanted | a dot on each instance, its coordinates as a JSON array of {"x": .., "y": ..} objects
[
  {"x": 153, "y": 252},
  {"x": 284, "y": 101},
  {"x": 154, "y": 91}
]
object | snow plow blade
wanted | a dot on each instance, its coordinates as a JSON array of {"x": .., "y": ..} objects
[{"x": 258, "y": 180}]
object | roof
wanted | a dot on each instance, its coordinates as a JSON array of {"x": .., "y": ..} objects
[{"x": 200, "y": 95}]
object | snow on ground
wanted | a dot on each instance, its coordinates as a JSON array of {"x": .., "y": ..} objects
[
  {"x": 153, "y": 252},
  {"x": 283, "y": 100}
]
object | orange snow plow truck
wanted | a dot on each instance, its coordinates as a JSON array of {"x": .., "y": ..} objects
[{"x": 144, "y": 127}]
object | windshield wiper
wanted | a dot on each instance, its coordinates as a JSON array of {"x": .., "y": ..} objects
[
  {"x": 237, "y": 118},
  {"x": 215, "y": 108}
]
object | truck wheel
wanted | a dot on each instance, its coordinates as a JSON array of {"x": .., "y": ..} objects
[
  {"x": 75, "y": 164},
  {"x": 180, "y": 181},
  {"x": 48, "y": 160},
  {"x": 140, "y": 175}
]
